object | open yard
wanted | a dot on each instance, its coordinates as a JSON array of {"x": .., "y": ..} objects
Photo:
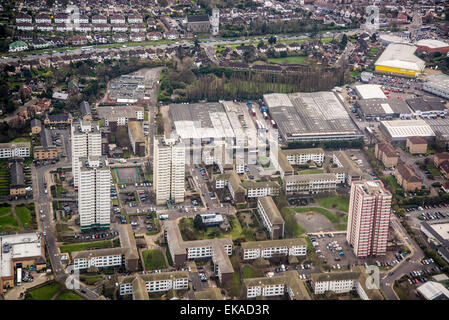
[
  {"x": 90, "y": 280},
  {"x": 8, "y": 223},
  {"x": 153, "y": 259},
  {"x": 24, "y": 215},
  {"x": 69, "y": 295},
  {"x": 288, "y": 60},
  {"x": 43, "y": 293},
  {"x": 334, "y": 222},
  {"x": 334, "y": 201}
]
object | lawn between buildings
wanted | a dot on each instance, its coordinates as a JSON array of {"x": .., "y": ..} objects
[
  {"x": 153, "y": 259},
  {"x": 188, "y": 232},
  {"x": 69, "y": 248},
  {"x": 50, "y": 290}
]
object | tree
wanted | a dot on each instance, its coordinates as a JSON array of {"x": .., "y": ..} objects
[
  {"x": 198, "y": 223},
  {"x": 272, "y": 40},
  {"x": 260, "y": 44},
  {"x": 344, "y": 41}
]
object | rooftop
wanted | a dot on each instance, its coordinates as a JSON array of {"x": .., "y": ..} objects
[
  {"x": 377, "y": 106},
  {"x": 274, "y": 243},
  {"x": 400, "y": 55},
  {"x": 370, "y": 91},
  {"x": 407, "y": 128},
  {"x": 136, "y": 130},
  {"x": 271, "y": 210}
]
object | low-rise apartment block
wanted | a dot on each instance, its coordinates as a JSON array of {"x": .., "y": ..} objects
[
  {"x": 310, "y": 183},
  {"x": 344, "y": 168},
  {"x": 344, "y": 282},
  {"x": 416, "y": 145},
  {"x": 440, "y": 157},
  {"x": 140, "y": 285},
  {"x": 304, "y": 156},
  {"x": 218, "y": 250},
  {"x": 289, "y": 283},
  {"x": 15, "y": 149},
  {"x": 272, "y": 248},
  {"x": 271, "y": 217},
  {"x": 17, "y": 185},
  {"x": 407, "y": 178},
  {"x": 126, "y": 256},
  {"x": 386, "y": 153}
]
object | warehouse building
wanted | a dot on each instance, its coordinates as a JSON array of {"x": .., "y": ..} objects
[
  {"x": 383, "y": 109},
  {"x": 441, "y": 129},
  {"x": 437, "y": 84},
  {"x": 310, "y": 117},
  {"x": 399, "y": 59},
  {"x": 20, "y": 251},
  {"x": 400, "y": 130},
  {"x": 432, "y": 46},
  {"x": 370, "y": 91},
  {"x": 196, "y": 122},
  {"x": 437, "y": 233},
  {"x": 427, "y": 107}
]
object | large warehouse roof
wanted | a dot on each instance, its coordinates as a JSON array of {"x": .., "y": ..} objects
[
  {"x": 370, "y": 91},
  {"x": 378, "y": 107},
  {"x": 432, "y": 43},
  {"x": 401, "y": 129},
  {"x": 201, "y": 120},
  {"x": 310, "y": 116},
  {"x": 400, "y": 55},
  {"x": 438, "y": 81},
  {"x": 440, "y": 126}
]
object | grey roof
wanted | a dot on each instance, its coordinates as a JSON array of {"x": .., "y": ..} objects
[
  {"x": 383, "y": 106},
  {"x": 198, "y": 18},
  {"x": 46, "y": 140},
  {"x": 426, "y": 103},
  {"x": 36, "y": 123},
  {"x": 310, "y": 115},
  {"x": 85, "y": 108},
  {"x": 17, "y": 177}
]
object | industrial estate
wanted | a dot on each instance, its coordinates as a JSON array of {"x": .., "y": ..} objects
[{"x": 191, "y": 150}]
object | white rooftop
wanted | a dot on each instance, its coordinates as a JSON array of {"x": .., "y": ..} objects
[
  {"x": 400, "y": 55},
  {"x": 408, "y": 128},
  {"x": 370, "y": 91},
  {"x": 431, "y": 290},
  {"x": 431, "y": 43},
  {"x": 21, "y": 246}
]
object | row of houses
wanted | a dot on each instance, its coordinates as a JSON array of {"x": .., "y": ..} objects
[{"x": 62, "y": 17}]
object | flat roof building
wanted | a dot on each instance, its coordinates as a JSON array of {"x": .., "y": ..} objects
[
  {"x": 310, "y": 116},
  {"x": 310, "y": 183},
  {"x": 427, "y": 107},
  {"x": 272, "y": 248},
  {"x": 376, "y": 109},
  {"x": 437, "y": 84},
  {"x": 400, "y": 130},
  {"x": 399, "y": 59},
  {"x": 370, "y": 91}
]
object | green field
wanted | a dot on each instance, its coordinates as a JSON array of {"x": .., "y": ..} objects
[
  {"x": 153, "y": 259},
  {"x": 288, "y": 60},
  {"x": 43, "y": 293},
  {"x": 69, "y": 248},
  {"x": 332, "y": 217},
  {"x": 4, "y": 210},
  {"x": 293, "y": 227},
  {"x": 90, "y": 280},
  {"x": 24, "y": 215},
  {"x": 8, "y": 223},
  {"x": 250, "y": 272},
  {"x": 339, "y": 202},
  {"x": 69, "y": 295},
  {"x": 188, "y": 232}
]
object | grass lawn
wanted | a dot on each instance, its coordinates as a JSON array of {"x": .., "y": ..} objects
[
  {"x": 235, "y": 285},
  {"x": 44, "y": 293},
  {"x": 394, "y": 183},
  {"x": 90, "y": 279},
  {"x": 5, "y": 210},
  {"x": 249, "y": 272},
  {"x": 8, "y": 223},
  {"x": 21, "y": 140},
  {"x": 69, "y": 248},
  {"x": 339, "y": 202},
  {"x": 401, "y": 293},
  {"x": 293, "y": 227},
  {"x": 311, "y": 171},
  {"x": 188, "y": 231},
  {"x": 69, "y": 295},
  {"x": 288, "y": 60},
  {"x": 341, "y": 227},
  {"x": 332, "y": 217},
  {"x": 153, "y": 259},
  {"x": 24, "y": 215}
]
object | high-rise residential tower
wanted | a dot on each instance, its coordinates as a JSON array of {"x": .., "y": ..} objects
[
  {"x": 369, "y": 218},
  {"x": 86, "y": 142},
  {"x": 94, "y": 193},
  {"x": 168, "y": 169}
]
